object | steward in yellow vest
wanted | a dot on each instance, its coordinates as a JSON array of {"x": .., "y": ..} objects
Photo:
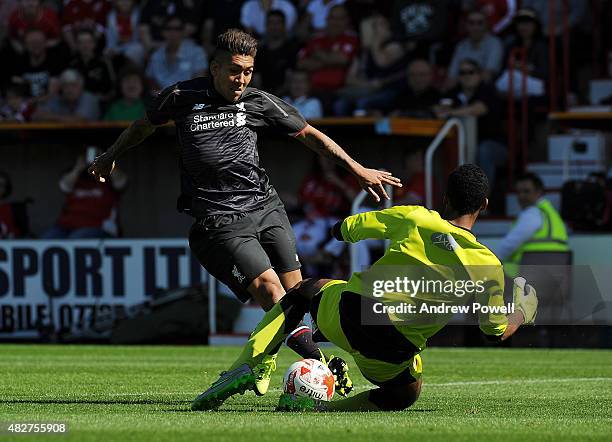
[{"x": 539, "y": 227}]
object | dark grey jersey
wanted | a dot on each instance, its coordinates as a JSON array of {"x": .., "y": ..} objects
[{"x": 220, "y": 171}]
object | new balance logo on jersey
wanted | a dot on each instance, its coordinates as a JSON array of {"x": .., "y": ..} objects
[
  {"x": 444, "y": 240},
  {"x": 200, "y": 106}
]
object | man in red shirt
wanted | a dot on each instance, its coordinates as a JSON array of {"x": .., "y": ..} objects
[
  {"x": 30, "y": 14},
  {"x": 8, "y": 224},
  {"x": 327, "y": 57},
  {"x": 90, "y": 208},
  {"x": 84, "y": 14}
]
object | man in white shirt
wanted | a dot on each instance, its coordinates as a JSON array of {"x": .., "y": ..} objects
[
  {"x": 254, "y": 13},
  {"x": 317, "y": 11},
  {"x": 299, "y": 90},
  {"x": 481, "y": 46}
]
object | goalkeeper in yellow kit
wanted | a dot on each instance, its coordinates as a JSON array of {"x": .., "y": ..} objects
[{"x": 386, "y": 349}]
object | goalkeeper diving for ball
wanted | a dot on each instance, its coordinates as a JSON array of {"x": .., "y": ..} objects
[{"x": 388, "y": 352}]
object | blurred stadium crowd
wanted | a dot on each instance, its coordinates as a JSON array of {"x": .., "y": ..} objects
[
  {"x": 75, "y": 61},
  {"x": 83, "y": 60}
]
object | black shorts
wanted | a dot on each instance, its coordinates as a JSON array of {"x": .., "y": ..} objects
[{"x": 236, "y": 248}]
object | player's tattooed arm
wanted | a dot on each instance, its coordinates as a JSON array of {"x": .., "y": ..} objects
[
  {"x": 371, "y": 180},
  {"x": 133, "y": 135}
]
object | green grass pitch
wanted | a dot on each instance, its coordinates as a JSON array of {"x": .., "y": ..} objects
[{"x": 143, "y": 394}]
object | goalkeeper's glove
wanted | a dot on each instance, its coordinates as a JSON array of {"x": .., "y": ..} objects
[{"x": 525, "y": 299}]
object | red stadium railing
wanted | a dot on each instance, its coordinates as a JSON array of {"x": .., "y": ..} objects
[{"x": 521, "y": 55}]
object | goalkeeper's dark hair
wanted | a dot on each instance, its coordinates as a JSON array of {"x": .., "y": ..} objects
[
  {"x": 467, "y": 189},
  {"x": 235, "y": 42},
  {"x": 530, "y": 176}
]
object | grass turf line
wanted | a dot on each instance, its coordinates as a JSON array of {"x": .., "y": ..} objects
[{"x": 143, "y": 394}]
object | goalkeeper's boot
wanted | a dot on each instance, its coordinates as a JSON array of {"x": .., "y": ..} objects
[
  {"x": 263, "y": 372},
  {"x": 339, "y": 369},
  {"x": 229, "y": 383},
  {"x": 291, "y": 402}
]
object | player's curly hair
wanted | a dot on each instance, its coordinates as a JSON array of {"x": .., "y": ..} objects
[
  {"x": 236, "y": 42},
  {"x": 466, "y": 189}
]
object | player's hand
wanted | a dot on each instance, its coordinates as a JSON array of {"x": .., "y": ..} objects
[
  {"x": 373, "y": 181},
  {"x": 102, "y": 167},
  {"x": 525, "y": 299}
]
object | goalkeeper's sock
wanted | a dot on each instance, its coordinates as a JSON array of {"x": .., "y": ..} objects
[
  {"x": 300, "y": 341},
  {"x": 272, "y": 330}
]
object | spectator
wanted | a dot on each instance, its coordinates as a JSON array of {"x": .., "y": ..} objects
[
  {"x": 327, "y": 57},
  {"x": 13, "y": 214},
  {"x": 96, "y": 71},
  {"x": 474, "y": 97},
  {"x": 78, "y": 15},
  {"x": 325, "y": 194},
  {"x": 412, "y": 192},
  {"x": 72, "y": 104},
  {"x": 221, "y": 15},
  {"x": 315, "y": 17},
  {"x": 30, "y": 14},
  {"x": 276, "y": 55},
  {"x": 480, "y": 46},
  {"x": 155, "y": 13},
  {"x": 130, "y": 106},
  {"x": 577, "y": 9},
  {"x": 122, "y": 32},
  {"x": 38, "y": 66},
  {"x": 90, "y": 209},
  {"x": 360, "y": 9},
  {"x": 6, "y": 9},
  {"x": 375, "y": 76},
  {"x": 422, "y": 24},
  {"x": 527, "y": 35},
  {"x": 178, "y": 59},
  {"x": 539, "y": 226},
  {"x": 418, "y": 97},
  {"x": 17, "y": 106},
  {"x": 299, "y": 90},
  {"x": 254, "y": 13},
  {"x": 499, "y": 13}
]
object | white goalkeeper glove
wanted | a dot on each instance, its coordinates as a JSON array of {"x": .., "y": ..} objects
[{"x": 525, "y": 299}]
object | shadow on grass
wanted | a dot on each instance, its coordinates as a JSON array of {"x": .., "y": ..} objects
[
  {"x": 237, "y": 408},
  {"x": 94, "y": 401}
]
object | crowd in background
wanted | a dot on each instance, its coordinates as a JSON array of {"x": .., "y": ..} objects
[{"x": 83, "y": 60}]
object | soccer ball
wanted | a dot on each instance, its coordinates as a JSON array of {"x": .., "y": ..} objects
[{"x": 310, "y": 378}]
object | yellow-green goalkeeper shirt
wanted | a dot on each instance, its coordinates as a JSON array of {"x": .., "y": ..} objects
[{"x": 425, "y": 247}]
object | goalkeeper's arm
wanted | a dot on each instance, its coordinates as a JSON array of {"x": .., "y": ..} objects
[
  {"x": 525, "y": 304},
  {"x": 389, "y": 223}
]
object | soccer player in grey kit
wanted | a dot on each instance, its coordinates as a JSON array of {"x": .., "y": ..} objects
[{"x": 241, "y": 234}]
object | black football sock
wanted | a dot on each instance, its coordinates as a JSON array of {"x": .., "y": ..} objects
[{"x": 300, "y": 341}]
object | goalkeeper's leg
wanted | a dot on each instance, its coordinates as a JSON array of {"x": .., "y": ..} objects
[
  {"x": 395, "y": 395},
  {"x": 279, "y": 322},
  {"x": 385, "y": 398}
]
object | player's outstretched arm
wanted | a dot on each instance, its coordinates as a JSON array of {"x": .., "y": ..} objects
[
  {"x": 526, "y": 306},
  {"x": 371, "y": 180},
  {"x": 133, "y": 135}
]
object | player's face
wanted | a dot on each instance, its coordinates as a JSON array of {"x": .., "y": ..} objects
[
  {"x": 231, "y": 75},
  {"x": 526, "y": 193}
]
